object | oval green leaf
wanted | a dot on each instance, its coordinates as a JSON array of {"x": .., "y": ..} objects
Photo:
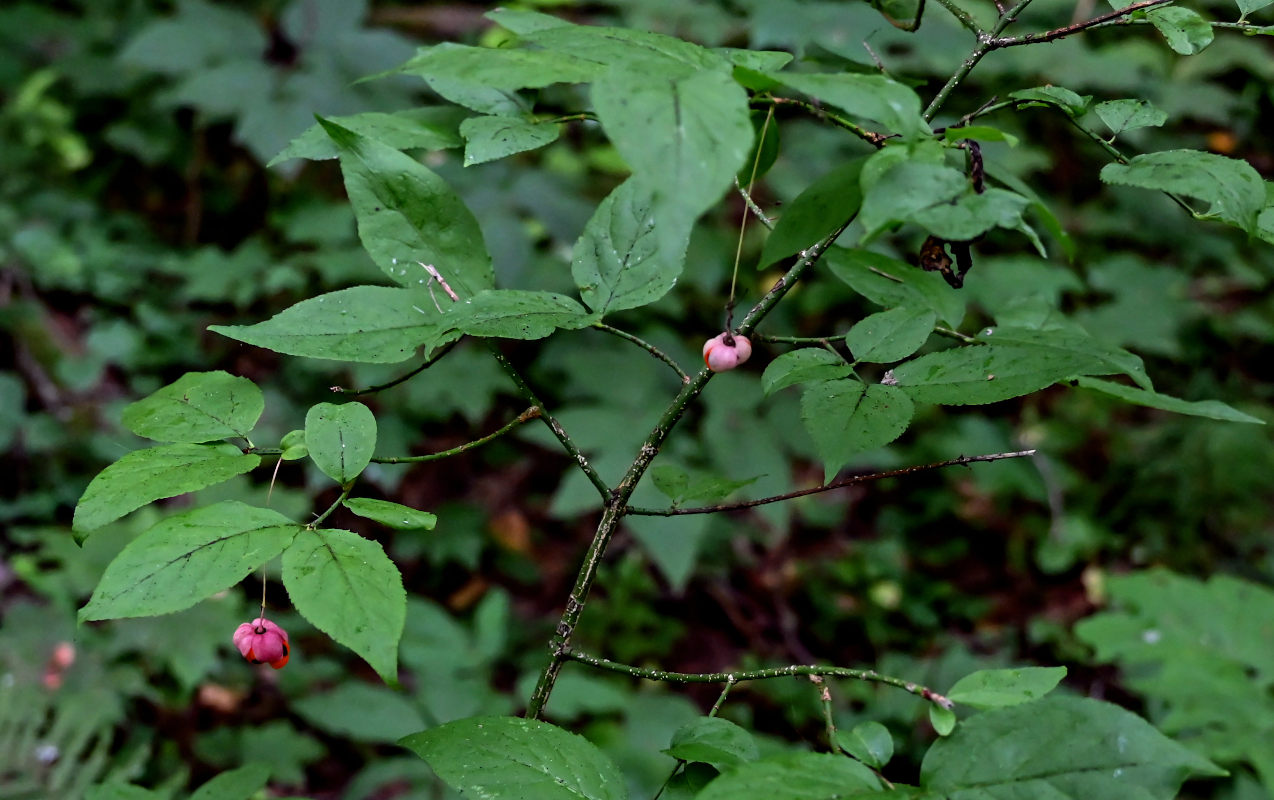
[
  {"x": 987, "y": 374},
  {"x": 891, "y": 335},
  {"x": 188, "y": 557},
  {"x": 341, "y": 439},
  {"x": 517, "y": 314},
  {"x": 803, "y": 366},
  {"x": 366, "y": 324},
  {"x": 393, "y": 515},
  {"x": 869, "y": 742},
  {"x": 616, "y": 262},
  {"x": 348, "y": 588},
  {"x": 794, "y": 776},
  {"x": 715, "y": 741},
  {"x": 846, "y": 417},
  {"x": 145, "y": 476},
  {"x": 493, "y": 137},
  {"x": 816, "y": 212},
  {"x": 994, "y": 688},
  {"x": 1068, "y": 747},
  {"x": 198, "y": 407},
  {"x": 510, "y": 758}
]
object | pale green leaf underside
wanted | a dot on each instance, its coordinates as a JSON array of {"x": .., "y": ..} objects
[
  {"x": 510, "y": 757},
  {"x": 1212, "y": 409},
  {"x": 1233, "y": 187},
  {"x": 416, "y": 128},
  {"x": 187, "y": 558},
  {"x": 994, "y": 688},
  {"x": 144, "y": 476},
  {"x": 197, "y": 407},
  {"x": 393, "y": 515},
  {"x": 348, "y": 588}
]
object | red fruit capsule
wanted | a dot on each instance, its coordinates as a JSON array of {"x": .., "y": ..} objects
[
  {"x": 725, "y": 351},
  {"x": 262, "y": 642}
]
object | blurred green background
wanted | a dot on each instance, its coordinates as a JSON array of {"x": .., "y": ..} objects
[{"x": 136, "y": 210}]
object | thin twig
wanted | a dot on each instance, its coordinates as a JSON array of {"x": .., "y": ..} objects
[
  {"x": 938, "y": 329},
  {"x": 1068, "y": 30},
  {"x": 796, "y": 339},
  {"x": 380, "y": 387},
  {"x": 869, "y": 675},
  {"x": 756, "y": 210},
  {"x": 983, "y": 47},
  {"x": 849, "y": 481},
  {"x": 531, "y": 413},
  {"x": 556, "y": 427},
  {"x": 617, "y": 501},
  {"x": 871, "y": 137},
  {"x": 345, "y": 490},
  {"x": 647, "y": 346},
  {"x": 963, "y": 16}
]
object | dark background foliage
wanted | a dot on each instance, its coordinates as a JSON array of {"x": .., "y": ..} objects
[{"x": 135, "y": 210}]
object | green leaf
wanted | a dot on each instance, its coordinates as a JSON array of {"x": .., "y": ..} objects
[
  {"x": 348, "y": 588},
  {"x": 681, "y": 486},
  {"x": 393, "y": 515},
  {"x": 906, "y": 188},
  {"x": 995, "y": 688},
  {"x": 637, "y": 51},
  {"x": 942, "y": 719},
  {"x": 684, "y": 133},
  {"x": 509, "y": 758},
  {"x": 360, "y": 711},
  {"x": 846, "y": 417},
  {"x": 1248, "y": 6},
  {"x": 407, "y": 214},
  {"x": 986, "y": 374},
  {"x": 815, "y": 213},
  {"x": 517, "y": 314},
  {"x": 616, "y": 262},
  {"x": 293, "y": 446},
  {"x": 416, "y": 128},
  {"x": 670, "y": 479},
  {"x": 1075, "y": 342},
  {"x": 873, "y": 97},
  {"x": 505, "y": 68},
  {"x": 869, "y": 742},
  {"x": 972, "y": 214},
  {"x": 981, "y": 133},
  {"x": 803, "y": 366},
  {"x": 755, "y": 60},
  {"x": 1185, "y": 31},
  {"x": 892, "y": 335},
  {"x": 1072, "y": 103},
  {"x": 1212, "y": 409},
  {"x": 1127, "y": 115},
  {"x": 235, "y": 784},
  {"x": 187, "y": 558},
  {"x": 1059, "y": 747},
  {"x": 522, "y": 21},
  {"x": 491, "y": 138},
  {"x": 367, "y": 324},
  {"x": 715, "y": 741},
  {"x": 144, "y": 476},
  {"x": 341, "y": 439},
  {"x": 890, "y": 283},
  {"x": 794, "y": 776},
  {"x": 197, "y": 407},
  {"x": 1235, "y": 190}
]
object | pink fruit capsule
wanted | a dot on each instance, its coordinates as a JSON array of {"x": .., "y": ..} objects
[
  {"x": 721, "y": 355},
  {"x": 262, "y": 642}
]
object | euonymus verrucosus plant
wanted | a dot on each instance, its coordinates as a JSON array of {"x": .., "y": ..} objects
[{"x": 695, "y": 126}]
